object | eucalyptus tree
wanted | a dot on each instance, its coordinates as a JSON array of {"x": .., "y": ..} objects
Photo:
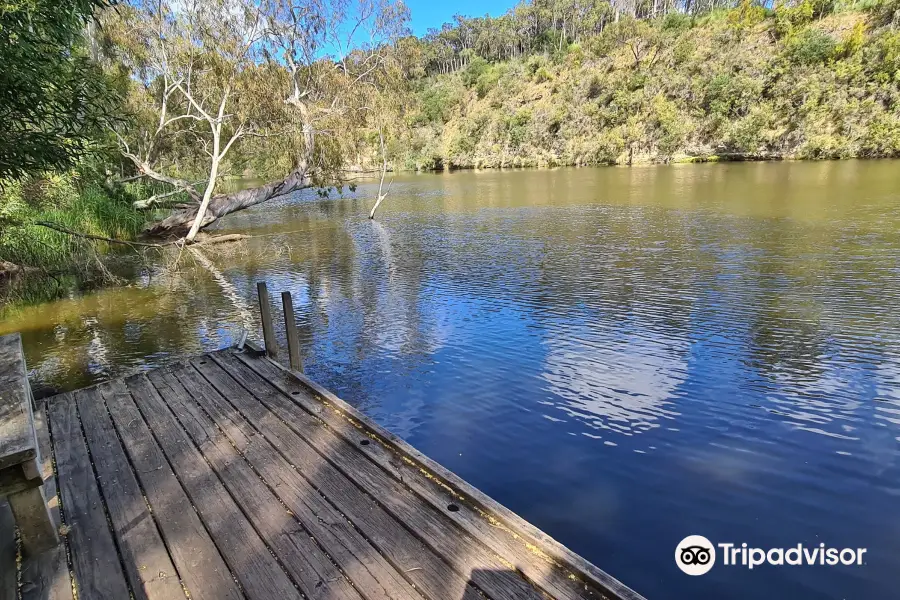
[
  {"x": 218, "y": 78},
  {"x": 54, "y": 100}
]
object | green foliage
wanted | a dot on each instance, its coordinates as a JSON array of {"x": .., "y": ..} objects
[
  {"x": 437, "y": 102},
  {"x": 71, "y": 202},
  {"x": 671, "y": 126},
  {"x": 516, "y": 127},
  {"x": 543, "y": 74},
  {"x": 535, "y": 63},
  {"x": 677, "y": 22},
  {"x": 883, "y": 137},
  {"x": 750, "y": 134},
  {"x": 810, "y": 46},
  {"x": 482, "y": 75},
  {"x": 730, "y": 95},
  {"x": 886, "y": 54},
  {"x": 852, "y": 42},
  {"x": 594, "y": 87},
  {"x": 54, "y": 100},
  {"x": 746, "y": 14},
  {"x": 791, "y": 17},
  {"x": 681, "y": 86},
  {"x": 488, "y": 79},
  {"x": 474, "y": 70}
]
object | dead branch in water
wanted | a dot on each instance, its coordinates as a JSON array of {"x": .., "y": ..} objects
[
  {"x": 381, "y": 196},
  {"x": 221, "y": 239}
]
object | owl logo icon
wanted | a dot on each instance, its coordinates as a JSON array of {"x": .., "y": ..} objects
[{"x": 695, "y": 555}]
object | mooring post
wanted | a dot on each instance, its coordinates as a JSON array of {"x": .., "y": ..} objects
[
  {"x": 290, "y": 326},
  {"x": 265, "y": 312}
]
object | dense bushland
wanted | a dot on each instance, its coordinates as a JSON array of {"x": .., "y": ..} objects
[{"x": 809, "y": 80}]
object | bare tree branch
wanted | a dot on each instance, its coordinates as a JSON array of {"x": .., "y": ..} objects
[{"x": 98, "y": 238}]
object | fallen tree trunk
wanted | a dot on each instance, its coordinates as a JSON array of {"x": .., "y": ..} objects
[
  {"x": 180, "y": 222},
  {"x": 8, "y": 269}
]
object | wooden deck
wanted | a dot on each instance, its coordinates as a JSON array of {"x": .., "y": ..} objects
[{"x": 229, "y": 476}]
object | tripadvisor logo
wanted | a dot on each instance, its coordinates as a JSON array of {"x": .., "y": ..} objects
[{"x": 696, "y": 555}]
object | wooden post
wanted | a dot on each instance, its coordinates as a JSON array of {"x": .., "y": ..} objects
[
  {"x": 20, "y": 469},
  {"x": 265, "y": 313},
  {"x": 34, "y": 521},
  {"x": 290, "y": 326}
]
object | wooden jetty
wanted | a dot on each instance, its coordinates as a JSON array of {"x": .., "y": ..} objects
[{"x": 230, "y": 476}]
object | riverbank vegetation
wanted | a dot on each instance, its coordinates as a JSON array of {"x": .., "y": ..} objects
[
  {"x": 56, "y": 104},
  {"x": 129, "y": 118},
  {"x": 574, "y": 84}
]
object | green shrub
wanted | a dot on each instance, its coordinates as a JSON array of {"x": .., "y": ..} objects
[
  {"x": 852, "y": 42},
  {"x": 684, "y": 50},
  {"x": 749, "y": 134},
  {"x": 534, "y": 63},
  {"x": 811, "y": 46},
  {"x": 746, "y": 14},
  {"x": 728, "y": 95},
  {"x": 885, "y": 57},
  {"x": 437, "y": 103},
  {"x": 576, "y": 54},
  {"x": 542, "y": 75},
  {"x": 883, "y": 137},
  {"x": 677, "y": 22},
  {"x": 672, "y": 126},
  {"x": 488, "y": 79},
  {"x": 474, "y": 70},
  {"x": 594, "y": 87},
  {"x": 517, "y": 126}
]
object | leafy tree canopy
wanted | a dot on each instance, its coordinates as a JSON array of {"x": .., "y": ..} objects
[{"x": 54, "y": 101}]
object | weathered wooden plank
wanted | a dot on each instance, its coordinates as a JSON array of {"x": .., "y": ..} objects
[
  {"x": 370, "y": 572},
  {"x": 260, "y": 575},
  {"x": 309, "y": 566},
  {"x": 17, "y": 441},
  {"x": 46, "y": 576},
  {"x": 95, "y": 559},
  {"x": 538, "y": 556},
  {"x": 546, "y": 562},
  {"x": 466, "y": 554},
  {"x": 8, "y": 567},
  {"x": 147, "y": 564},
  {"x": 541, "y": 570},
  {"x": 202, "y": 569},
  {"x": 431, "y": 574}
]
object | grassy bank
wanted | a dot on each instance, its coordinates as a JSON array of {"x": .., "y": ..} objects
[
  {"x": 72, "y": 201},
  {"x": 810, "y": 80}
]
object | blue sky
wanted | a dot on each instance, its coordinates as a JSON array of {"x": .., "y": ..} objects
[{"x": 434, "y": 13}]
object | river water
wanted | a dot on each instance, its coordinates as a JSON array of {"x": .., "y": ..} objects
[{"x": 623, "y": 356}]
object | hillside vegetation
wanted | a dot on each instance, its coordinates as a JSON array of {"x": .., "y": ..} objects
[{"x": 808, "y": 80}]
